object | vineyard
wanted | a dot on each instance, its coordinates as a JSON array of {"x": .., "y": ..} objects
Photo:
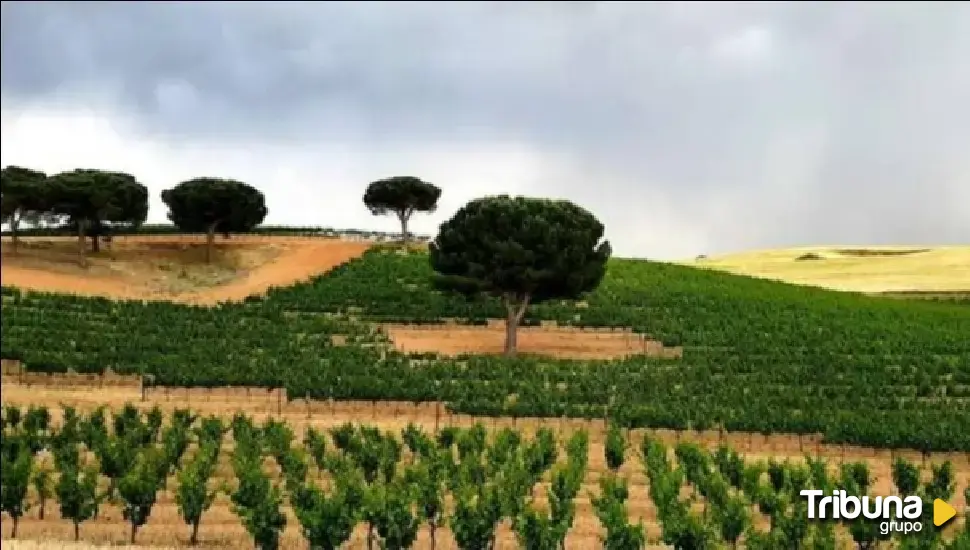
[
  {"x": 757, "y": 356},
  {"x": 113, "y": 476}
]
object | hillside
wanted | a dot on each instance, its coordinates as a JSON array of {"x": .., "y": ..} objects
[
  {"x": 756, "y": 355},
  {"x": 159, "y": 266},
  {"x": 936, "y": 270}
]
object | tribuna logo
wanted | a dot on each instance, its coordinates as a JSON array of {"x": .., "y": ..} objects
[{"x": 899, "y": 515}]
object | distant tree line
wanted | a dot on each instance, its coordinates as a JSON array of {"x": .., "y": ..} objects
[
  {"x": 48, "y": 228},
  {"x": 95, "y": 203}
]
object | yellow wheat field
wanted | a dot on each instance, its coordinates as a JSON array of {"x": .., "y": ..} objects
[{"x": 855, "y": 268}]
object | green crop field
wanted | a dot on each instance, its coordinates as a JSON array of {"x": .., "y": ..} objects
[
  {"x": 758, "y": 356},
  {"x": 181, "y": 475}
]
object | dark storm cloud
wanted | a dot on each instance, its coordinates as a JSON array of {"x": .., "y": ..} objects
[{"x": 756, "y": 124}]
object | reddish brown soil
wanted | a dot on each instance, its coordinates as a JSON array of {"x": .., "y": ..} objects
[
  {"x": 172, "y": 267},
  {"x": 563, "y": 342}
]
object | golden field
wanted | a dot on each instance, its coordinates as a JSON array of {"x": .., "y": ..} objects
[{"x": 870, "y": 269}]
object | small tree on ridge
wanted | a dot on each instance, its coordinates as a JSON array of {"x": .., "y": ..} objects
[
  {"x": 212, "y": 205},
  {"x": 90, "y": 198},
  {"x": 403, "y": 196},
  {"x": 521, "y": 250},
  {"x": 21, "y": 197}
]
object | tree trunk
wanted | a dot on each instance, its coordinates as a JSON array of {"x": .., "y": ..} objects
[
  {"x": 77, "y": 531},
  {"x": 404, "y": 216},
  {"x": 511, "y": 332},
  {"x": 134, "y": 531},
  {"x": 433, "y": 529},
  {"x": 194, "y": 537},
  {"x": 14, "y": 222},
  {"x": 13, "y": 532},
  {"x": 81, "y": 245},
  {"x": 210, "y": 239},
  {"x": 95, "y": 243},
  {"x": 43, "y": 502},
  {"x": 515, "y": 313}
]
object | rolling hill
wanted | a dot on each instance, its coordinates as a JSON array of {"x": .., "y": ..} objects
[
  {"x": 937, "y": 271},
  {"x": 757, "y": 356}
]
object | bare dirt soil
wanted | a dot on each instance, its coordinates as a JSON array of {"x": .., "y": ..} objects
[
  {"x": 564, "y": 342},
  {"x": 11, "y": 544},
  {"x": 220, "y": 527},
  {"x": 172, "y": 267}
]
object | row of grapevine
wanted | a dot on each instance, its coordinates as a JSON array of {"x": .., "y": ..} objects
[
  {"x": 455, "y": 479},
  {"x": 734, "y": 491},
  {"x": 177, "y": 345},
  {"x": 467, "y": 481}
]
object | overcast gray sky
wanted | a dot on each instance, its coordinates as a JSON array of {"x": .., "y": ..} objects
[{"x": 687, "y": 128}]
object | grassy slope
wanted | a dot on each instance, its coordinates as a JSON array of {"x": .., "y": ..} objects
[
  {"x": 861, "y": 269},
  {"x": 759, "y": 355}
]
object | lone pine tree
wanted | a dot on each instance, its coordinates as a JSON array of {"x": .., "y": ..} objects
[
  {"x": 213, "y": 205},
  {"x": 402, "y": 196},
  {"x": 523, "y": 251}
]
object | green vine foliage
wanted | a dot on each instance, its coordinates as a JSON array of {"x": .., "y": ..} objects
[
  {"x": 758, "y": 356},
  {"x": 703, "y": 498}
]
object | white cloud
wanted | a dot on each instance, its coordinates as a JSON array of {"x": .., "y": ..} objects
[
  {"x": 749, "y": 45},
  {"x": 310, "y": 184}
]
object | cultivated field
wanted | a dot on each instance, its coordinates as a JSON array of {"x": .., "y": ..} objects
[
  {"x": 172, "y": 267},
  {"x": 221, "y": 527},
  {"x": 858, "y": 269},
  {"x": 675, "y": 346}
]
